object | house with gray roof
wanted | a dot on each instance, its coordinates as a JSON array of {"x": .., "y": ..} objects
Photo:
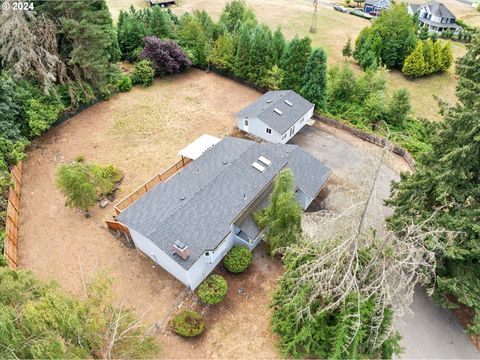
[
  {"x": 276, "y": 116},
  {"x": 435, "y": 16},
  {"x": 189, "y": 222},
  {"x": 375, "y": 7}
]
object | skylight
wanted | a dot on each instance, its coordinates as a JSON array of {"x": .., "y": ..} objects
[
  {"x": 258, "y": 167},
  {"x": 288, "y": 103},
  {"x": 264, "y": 160},
  {"x": 279, "y": 112}
]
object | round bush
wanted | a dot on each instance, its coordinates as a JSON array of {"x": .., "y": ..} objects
[
  {"x": 143, "y": 73},
  {"x": 188, "y": 323},
  {"x": 213, "y": 289},
  {"x": 125, "y": 83},
  {"x": 238, "y": 259}
]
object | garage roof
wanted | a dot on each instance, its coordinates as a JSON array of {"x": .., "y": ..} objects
[{"x": 278, "y": 109}]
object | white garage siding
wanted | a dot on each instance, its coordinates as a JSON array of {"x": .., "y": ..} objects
[
  {"x": 258, "y": 128},
  {"x": 287, "y": 135},
  {"x": 157, "y": 255}
]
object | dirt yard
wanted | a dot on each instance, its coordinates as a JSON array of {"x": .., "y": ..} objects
[{"x": 140, "y": 132}]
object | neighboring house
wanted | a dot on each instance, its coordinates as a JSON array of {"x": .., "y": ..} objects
[
  {"x": 435, "y": 16},
  {"x": 188, "y": 223},
  {"x": 276, "y": 116},
  {"x": 375, "y": 7}
]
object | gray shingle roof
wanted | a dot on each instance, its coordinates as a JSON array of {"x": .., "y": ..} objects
[
  {"x": 263, "y": 109},
  {"x": 197, "y": 205},
  {"x": 438, "y": 9},
  {"x": 414, "y": 7}
]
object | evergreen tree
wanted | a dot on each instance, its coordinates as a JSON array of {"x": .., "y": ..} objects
[
  {"x": 282, "y": 217},
  {"x": 446, "y": 58},
  {"x": 347, "y": 49},
  {"x": 414, "y": 65},
  {"x": 260, "y": 56},
  {"x": 193, "y": 38},
  {"x": 398, "y": 107},
  {"x": 131, "y": 32},
  {"x": 293, "y": 62},
  {"x": 222, "y": 55},
  {"x": 160, "y": 24},
  {"x": 273, "y": 79},
  {"x": 429, "y": 56},
  {"x": 87, "y": 37},
  {"x": 423, "y": 33},
  {"x": 392, "y": 37},
  {"x": 240, "y": 66},
  {"x": 446, "y": 187},
  {"x": 235, "y": 14},
  {"x": 314, "y": 86},
  {"x": 437, "y": 56},
  {"x": 278, "y": 45}
]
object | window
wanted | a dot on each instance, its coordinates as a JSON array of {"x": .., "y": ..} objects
[
  {"x": 246, "y": 122},
  {"x": 269, "y": 131}
]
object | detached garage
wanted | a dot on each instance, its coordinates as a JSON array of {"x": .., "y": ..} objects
[{"x": 276, "y": 116}]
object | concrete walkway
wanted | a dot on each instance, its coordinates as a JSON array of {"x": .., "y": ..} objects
[{"x": 433, "y": 332}]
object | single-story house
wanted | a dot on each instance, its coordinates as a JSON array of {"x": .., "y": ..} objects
[
  {"x": 276, "y": 116},
  {"x": 189, "y": 222},
  {"x": 375, "y": 7},
  {"x": 436, "y": 16}
]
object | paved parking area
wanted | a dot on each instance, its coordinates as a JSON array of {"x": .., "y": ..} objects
[{"x": 433, "y": 332}]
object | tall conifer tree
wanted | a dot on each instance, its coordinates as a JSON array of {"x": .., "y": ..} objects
[{"x": 446, "y": 186}]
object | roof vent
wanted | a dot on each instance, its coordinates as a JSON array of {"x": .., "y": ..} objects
[
  {"x": 269, "y": 101},
  {"x": 181, "y": 249},
  {"x": 182, "y": 198},
  {"x": 264, "y": 160},
  {"x": 258, "y": 167},
  {"x": 224, "y": 163},
  {"x": 279, "y": 112},
  {"x": 288, "y": 103}
]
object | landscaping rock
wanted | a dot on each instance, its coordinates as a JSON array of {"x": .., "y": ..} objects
[{"x": 103, "y": 203}]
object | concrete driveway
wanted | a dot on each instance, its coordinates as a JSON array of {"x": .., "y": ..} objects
[{"x": 433, "y": 332}]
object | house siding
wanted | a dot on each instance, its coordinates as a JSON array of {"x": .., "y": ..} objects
[
  {"x": 205, "y": 264},
  {"x": 258, "y": 128},
  {"x": 158, "y": 256}
]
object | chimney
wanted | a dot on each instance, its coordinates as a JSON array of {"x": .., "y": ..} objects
[{"x": 181, "y": 249}]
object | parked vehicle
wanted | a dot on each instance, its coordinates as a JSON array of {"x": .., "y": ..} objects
[
  {"x": 361, "y": 13},
  {"x": 339, "y": 8},
  {"x": 161, "y": 3}
]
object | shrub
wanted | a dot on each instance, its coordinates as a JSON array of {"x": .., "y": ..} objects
[
  {"x": 125, "y": 83},
  {"x": 82, "y": 183},
  {"x": 143, "y": 73},
  {"x": 213, "y": 289},
  {"x": 188, "y": 323},
  {"x": 238, "y": 259},
  {"x": 166, "y": 56}
]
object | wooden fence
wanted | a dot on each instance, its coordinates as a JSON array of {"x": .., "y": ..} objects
[
  {"x": 129, "y": 199},
  {"x": 10, "y": 245}
]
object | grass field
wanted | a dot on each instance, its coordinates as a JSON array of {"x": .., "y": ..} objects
[{"x": 334, "y": 28}]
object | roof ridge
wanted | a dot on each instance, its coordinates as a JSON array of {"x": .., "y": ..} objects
[{"x": 208, "y": 183}]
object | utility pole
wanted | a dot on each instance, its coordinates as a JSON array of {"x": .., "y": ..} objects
[{"x": 313, "y": 28}]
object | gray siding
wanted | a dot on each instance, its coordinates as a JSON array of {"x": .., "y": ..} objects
[
  {"x": 159, "y": 257},
  {"x": 205, "y": 264}
]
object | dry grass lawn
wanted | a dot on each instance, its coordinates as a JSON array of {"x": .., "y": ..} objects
[{"x": 334, "y": 28}]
